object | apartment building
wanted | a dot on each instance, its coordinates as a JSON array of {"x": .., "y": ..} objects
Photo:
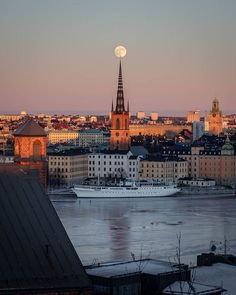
[
  {"x": 92, "y": 137},
  {"x": 113, "y": 164},
  {"x": 163, "y": 169},
  {"x": 218, "y": 163},
  {"x": 67, "y": 167},
  {"x": 63, "y": 136}
]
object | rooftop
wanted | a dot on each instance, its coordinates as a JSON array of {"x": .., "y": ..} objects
[
  {"x": 148, "y": 266},
  {"x": 218, "y": 274},
  {"x": 30, "y": 128},
  {"x": 187, "y": 288},
  {"x": 91, "y": 131},
  {"x": 35, "y": 251},
  {"x": 159, "y": 158},
  {"x": 69, "y": 152}
]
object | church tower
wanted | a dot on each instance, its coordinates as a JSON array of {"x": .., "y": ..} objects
[
  {"x": 120, "y": 139},
  {"x": 215, "y": 118},
  {"x": 30, "y": 148}
]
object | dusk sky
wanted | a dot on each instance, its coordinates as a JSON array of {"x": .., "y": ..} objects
[{"x": 57, "y": 56}]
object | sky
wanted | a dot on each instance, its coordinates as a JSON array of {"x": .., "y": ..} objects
[{"x": 57, "y": 56}]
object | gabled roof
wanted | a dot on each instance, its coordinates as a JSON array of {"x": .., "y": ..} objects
[
  {"x": 35, "y": 251},
  {"x": 30, "y": 128}
]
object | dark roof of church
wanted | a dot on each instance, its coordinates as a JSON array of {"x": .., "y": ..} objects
[
  {"x": 30, "y": 128},
  {"x": 35, "y": 251}
]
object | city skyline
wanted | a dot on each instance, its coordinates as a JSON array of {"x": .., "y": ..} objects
[{"x": 58, "y": 57}]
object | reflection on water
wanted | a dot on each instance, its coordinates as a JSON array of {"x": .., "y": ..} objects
[{"x": 108, "y": 230}]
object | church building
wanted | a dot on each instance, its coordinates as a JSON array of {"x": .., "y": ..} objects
[
  {"x": 215, "y": 119},
  {"x": 120, "y": 138},
  {"x": 30, "y": 148}
]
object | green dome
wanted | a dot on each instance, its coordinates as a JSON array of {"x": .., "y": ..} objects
[{"x": 227, "y": 146}]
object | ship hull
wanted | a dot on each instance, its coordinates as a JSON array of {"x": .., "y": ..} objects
[{"x": 123, "y": 192}]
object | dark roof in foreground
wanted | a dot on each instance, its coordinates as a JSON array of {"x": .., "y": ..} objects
[
  {"x": 30, "y": 128},
  {"x": 35, "y": 251}
]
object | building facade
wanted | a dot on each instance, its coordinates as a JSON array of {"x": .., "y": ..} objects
[
  {"x": 30, "y": 148},
  {"x": 215, "y": 119},
  {"x": 193, "y": 116},
  {"x": 218, "y": 164},
  {"x": 154, "y": 116},
  {"x": 92, "y": 137},
  {"x": 197, "y": 129},
  {"x": 67, "y": 167},
  {"x": 140, "y": 115},
  {"x": 120, "y": 138},
  {"x": 156, "y": 129},
  {"x": 63, "y": 136},
  {"x": 164, "y": 169},
  {"x": 113, "y": 164}
]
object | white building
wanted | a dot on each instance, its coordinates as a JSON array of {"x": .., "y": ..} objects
[
  {"x": 113, "y": 164},
  {"x": 154, "y": 116},
  {"x": 202, "y": 182},
  {"x": 141, "y": 115}
]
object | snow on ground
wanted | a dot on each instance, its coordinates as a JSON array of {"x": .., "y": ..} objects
[{"x": 218, "y": 274}]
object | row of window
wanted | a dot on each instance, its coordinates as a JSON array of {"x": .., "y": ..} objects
[
  {"x": 104, "y": 163},
  {"x": 109, "y": 157},
  {"x": 108, "y": 174}
]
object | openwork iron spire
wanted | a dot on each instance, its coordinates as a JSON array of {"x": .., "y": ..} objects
[{"x": 120, "y": 105}]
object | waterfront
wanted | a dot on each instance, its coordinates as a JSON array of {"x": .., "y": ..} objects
[{"x": 108, "y": 230}]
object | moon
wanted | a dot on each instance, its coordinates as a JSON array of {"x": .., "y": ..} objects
[{"x": 120, "y": 51}]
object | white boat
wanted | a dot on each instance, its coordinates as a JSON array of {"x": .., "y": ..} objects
[{"x": 127, "y": 190}]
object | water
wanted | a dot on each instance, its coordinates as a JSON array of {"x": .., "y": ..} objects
[{"x": 111, "y": 230}]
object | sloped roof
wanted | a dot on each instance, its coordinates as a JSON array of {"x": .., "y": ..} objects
[
  {"x": 30, "y": 128},
  {"x": 35, "y": 251},
  {"x": 186, "y": 287},
  {"x": 139, "y": 150}
]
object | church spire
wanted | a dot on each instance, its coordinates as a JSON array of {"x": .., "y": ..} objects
[
  {"x": 120, "y": 106},
  {"x": 112, "y": 108}
]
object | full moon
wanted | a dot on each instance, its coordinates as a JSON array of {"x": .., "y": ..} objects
[{"x": 120, "y": 51}]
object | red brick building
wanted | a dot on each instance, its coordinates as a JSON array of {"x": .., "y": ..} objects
[{"x": 30, "y": 148}]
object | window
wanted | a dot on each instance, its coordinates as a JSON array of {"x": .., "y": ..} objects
[
  {"x": 117, "y": 123},
  {"x": 37, "y": 149},
  {"x": 126, "y": 124}
]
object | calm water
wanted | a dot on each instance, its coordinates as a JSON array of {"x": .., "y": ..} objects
[{"x": 108, "y": 230}]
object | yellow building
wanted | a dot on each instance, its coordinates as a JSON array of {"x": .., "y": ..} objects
[
  {"x": 163, "y": 169},
  {"x": 193, "y": 116},
  {"x": 61, "y": 136},
  {"x": 215, "y": 119},
  {"x": 155, "y": 129},
  {"x": 67, "y": 167},
  {"x": 219, "y": 165}
]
